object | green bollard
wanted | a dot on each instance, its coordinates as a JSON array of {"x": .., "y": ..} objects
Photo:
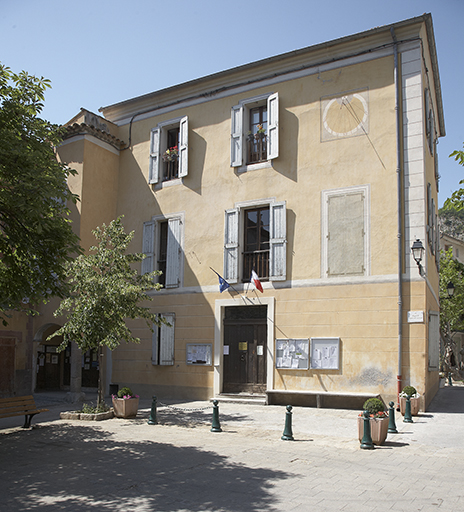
[
  {"x": 152, "y": 418},
  {"x": 366, "y": 441},
  {"x": 288, "y": 434},
  {"x": 391, "y": 419},
  {"x": 216, "y": 426},
  {"x": 450, "y": 383},
  {"x": 407, "y": 411}
]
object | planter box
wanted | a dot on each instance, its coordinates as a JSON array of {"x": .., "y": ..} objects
[
  {"x": 379, "y": 429},
  {"x": 415, "y": 402},
  {"x": 125, "y": 407},
  {"x": 73, "y": 415}
]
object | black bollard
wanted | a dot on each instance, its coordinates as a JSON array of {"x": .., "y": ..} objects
[
  {"x": 366, "y": 441},
  {"x": 450, "y": 382},
  {"x": 216, "y": 426},
  {"x": 407, "y": 411},
  {"x": 391, "y": 419},
  {"x": 288, "y": 434},
  {"x": 152, "y": 418}
]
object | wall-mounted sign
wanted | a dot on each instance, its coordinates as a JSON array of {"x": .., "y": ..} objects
[
  {"x": 243, "y": 345},
  {"x": 199, "y": 353},
  {"x": 415, "y": 317}
]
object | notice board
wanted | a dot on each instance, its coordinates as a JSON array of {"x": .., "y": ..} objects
[
  {"x": 292, "y": 353},
  {"x": 325, "y": 353}
]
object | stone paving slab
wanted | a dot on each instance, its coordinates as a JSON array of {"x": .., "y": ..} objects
[{"x": 179, "y": 465}]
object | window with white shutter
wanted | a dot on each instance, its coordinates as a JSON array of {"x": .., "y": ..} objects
[
  {"x": 345, "y": 237},
  {"x": 254, "y": 131},
  {"x": 163, "y": 341},
  {"x": 169, "y": 151},
  {"x": 255, "y": 238},
  {"x": 163, "y": 247}
]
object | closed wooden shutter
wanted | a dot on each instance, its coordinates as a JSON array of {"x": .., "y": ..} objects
[
  {"x": 163, "y": 341},
  {"x": 183, "y": 147},
  {"x": 434, "y": 340},
  {"x": 236, "y": 137},
  {"x": 148, "y": 246},
  {"x": 273, "y": 126},
  {"x": 231, "y": 245},
  {"x": 173, "y": 255},
  {"x": 153, "y": 174},
  {"x": 278, "y": 242}
]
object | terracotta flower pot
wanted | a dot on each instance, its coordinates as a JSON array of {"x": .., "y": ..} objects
[
  {"x": 125, "y": 407},
  {"x": 415, "y": 402},
  {"x": 379, "y": 429}
]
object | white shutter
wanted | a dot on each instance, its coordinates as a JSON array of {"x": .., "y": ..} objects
[
  {"x": 173, "y": 253},
  {"x": 273, "y": 126},
  {"x": 163, "y": 342},
  {"x": 236, "y": 137},
  {"x": 153, "y": 173},
  {"x": 434, "y": 340},
  {"x": 231, "y": 245},
  {"x": 429, "y": 215},
  {"x": 278, "y": 242},
  {"x": 183, "y": 147},
  {"x": 148, "y": 246},
  {"x": 434, "y": 227},
  {"x": 432, "y": 131}
]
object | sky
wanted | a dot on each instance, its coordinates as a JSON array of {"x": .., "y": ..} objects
[{"x": 101, "y": 52}]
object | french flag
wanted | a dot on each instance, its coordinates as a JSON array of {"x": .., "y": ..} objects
[{"x": 255, "y": 280}]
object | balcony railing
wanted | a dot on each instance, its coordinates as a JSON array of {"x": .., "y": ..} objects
[
  {"x": 257, "y": 148},
  {"x": 257, "y": 261},
  {"x": 171, "y": 170}
]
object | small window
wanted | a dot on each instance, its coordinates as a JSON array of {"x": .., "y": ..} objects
[
  {"x": 169, "y": 151},
  {"x": 255, "y": 131}
]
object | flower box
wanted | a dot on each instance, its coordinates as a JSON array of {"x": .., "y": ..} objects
[
  {"x": 379, "y": 429},
  {"x": 415, "y": 402},
  {"x": 125, "y": 407}
]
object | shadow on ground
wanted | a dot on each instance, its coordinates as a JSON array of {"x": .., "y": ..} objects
[
  {"x": 74, "y": 467},
  {"x": 448, "y": 400}
]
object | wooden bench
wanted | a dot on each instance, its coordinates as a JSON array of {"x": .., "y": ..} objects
[{"x": 19, "y": 405}]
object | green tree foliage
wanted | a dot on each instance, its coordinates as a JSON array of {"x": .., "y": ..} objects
[
  {"x": 456, "y": 201},
  {"x": 36, "y": 238},
  {"x": 451, "y": 309},
  {"x": 105, "y": 290}
]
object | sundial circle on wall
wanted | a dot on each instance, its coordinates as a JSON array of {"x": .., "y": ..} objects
[{"x": 345, "y": 115}]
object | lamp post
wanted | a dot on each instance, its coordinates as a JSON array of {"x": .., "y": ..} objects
[
  {"x": 418, "y": 253},
  {"x": 450, "y": 289}
]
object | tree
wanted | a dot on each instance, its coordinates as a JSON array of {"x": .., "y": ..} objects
[
  {"x": 105, "y": 290},
  {"x": 36, "y": 237},
  {"x": 451, "y": 308},
  {"x": 456, "y": 201}
]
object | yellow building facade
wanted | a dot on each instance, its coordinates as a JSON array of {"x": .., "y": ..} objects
[{"x": 315, "y": 169}]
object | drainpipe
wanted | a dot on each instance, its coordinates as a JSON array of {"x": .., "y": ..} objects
[{"x": 400, "y": 212}]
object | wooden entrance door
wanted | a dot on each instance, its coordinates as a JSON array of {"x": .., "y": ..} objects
[{"x": 245, "y": 343}]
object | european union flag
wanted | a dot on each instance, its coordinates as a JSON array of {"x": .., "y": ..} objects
[{"x": 223, "y": 284}]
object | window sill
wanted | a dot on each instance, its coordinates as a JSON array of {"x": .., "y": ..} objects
[
  {"x": 255, "y": 167},
  {"x": 165, "y": 184}
]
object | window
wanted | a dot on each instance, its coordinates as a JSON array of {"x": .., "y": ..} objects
[
  {"x": 345, "y": 240},
  {"x": 255, "y": 238},
  {"x": 169, "y": 151},
  {"x": 163, "y": 342},
  {"x": 434, "y": 340},
  {"x": 429, "y": 122},
  {"x": 162, "y": 245},
  {"x": 255, "y": 130},
  {"x": 433, "y": 237}
]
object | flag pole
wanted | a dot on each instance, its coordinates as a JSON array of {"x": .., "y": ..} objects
[{"x": 235, "y": 290}]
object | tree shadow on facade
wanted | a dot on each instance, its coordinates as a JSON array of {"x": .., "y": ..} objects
[{"x": 76, "y": 467}]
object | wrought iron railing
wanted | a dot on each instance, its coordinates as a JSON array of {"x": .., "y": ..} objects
[{"x": 257, "y": 261}]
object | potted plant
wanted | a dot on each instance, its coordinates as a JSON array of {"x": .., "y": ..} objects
[
  {"x": 260, "y": 132},
  {"x": 171, "y": 154},
  {"x": 414, "y": 398},
  {"x": 125, "y": 403},
  {"x": 378, "y": 420}
]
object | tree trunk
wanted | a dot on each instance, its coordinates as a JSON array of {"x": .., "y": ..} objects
[{"x": 100, "y": 399}]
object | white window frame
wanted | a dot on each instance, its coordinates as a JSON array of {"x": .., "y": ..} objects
[
  {"x": 326, "y": 194},
  {"x": 240, "y": 126},
  {"x": 163, "y": 338},
  {"x": 158, "y": 144},
  {"x": 175, "y": 252},
  {"x": 234, "y": 233}
]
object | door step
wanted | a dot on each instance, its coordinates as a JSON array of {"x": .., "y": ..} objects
[{"x": 241, "y": 398}]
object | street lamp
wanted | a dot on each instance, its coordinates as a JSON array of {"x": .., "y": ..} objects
[
  {"x": 450, "y": 289},
  {"x": 418, "y": 253}
]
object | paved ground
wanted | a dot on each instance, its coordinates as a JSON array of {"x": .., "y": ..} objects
[{"x": 179, "y": 465}]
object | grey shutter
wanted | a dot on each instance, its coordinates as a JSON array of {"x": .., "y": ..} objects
[
  {"x": 148, "y": 246},
  {"x": 345, "y": 244},
  {"x": 429, "y": 215},
  {"x": 153, "y": 172},
  {"x": 163, "y": 342},
  {"x": 273, "y": 126},
  {"x": 236, "y": 136},
  {"x": 278, "y": 242},
  {"x": 183, "y": 147},
  {"x": 434, "y": 227},
  {"x": 434, "y": 340},
  {"x": 231, "y": 245},
  {"x": 173, "y": 255}
]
